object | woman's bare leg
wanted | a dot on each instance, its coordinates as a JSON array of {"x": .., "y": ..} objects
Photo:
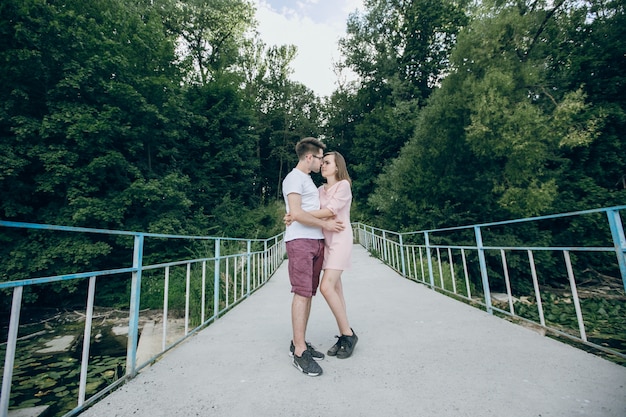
[{"x": 332, "y": 290}]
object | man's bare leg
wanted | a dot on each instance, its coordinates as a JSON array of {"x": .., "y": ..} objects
[{"x": 300, "y": 311}]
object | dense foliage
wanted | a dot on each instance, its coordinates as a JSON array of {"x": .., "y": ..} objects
[
  {"x": 172, "y": 116},
  {"x": 521, "y": 125}
]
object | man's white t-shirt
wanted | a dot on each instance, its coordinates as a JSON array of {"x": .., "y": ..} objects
[{"x": 300, "y": 183}]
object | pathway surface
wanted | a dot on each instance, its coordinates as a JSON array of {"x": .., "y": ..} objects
[{"x": 419, "y": 353}]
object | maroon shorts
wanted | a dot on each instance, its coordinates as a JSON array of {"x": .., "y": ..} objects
[{"x": 305, "y": 265}]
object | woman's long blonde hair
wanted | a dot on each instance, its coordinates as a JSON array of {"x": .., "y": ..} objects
[{"x": 342, "y": 169}]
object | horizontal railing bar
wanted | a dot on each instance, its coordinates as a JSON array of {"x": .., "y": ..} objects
[
  {"x": 514, "y": 248},
  {"x": 66, "y": 277},
  {"x": 198, "y": 260},
  {"x": 37, "y": 226},
  {"x": 503, "y": 222},
  {"x": 82, "y": 275}
]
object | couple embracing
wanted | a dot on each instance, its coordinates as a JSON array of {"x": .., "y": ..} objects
[{"x": 318, "y": 237}]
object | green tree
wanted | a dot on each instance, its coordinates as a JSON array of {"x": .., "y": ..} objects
[
  {"x": 400, "y": 51},
  {"x": 492, "y": 144},
  {"x": 211, "y": 34},
  {"x": 284, "y": 112}
]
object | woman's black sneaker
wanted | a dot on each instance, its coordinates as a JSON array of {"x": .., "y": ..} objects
[{"x": 347, "y": 344}]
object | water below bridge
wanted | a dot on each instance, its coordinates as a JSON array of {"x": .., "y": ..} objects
[{"x": 420, "y": 353}]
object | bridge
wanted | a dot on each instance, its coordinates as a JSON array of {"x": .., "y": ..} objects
[
  {"x": 420, "y": 353},
  {"x": 424, "y": 346}
]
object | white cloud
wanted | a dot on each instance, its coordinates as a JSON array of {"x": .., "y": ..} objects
[{"x": 315, "y": 27}]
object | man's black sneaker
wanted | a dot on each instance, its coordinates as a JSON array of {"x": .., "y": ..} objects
[
  {"x": 347, "y": 344},
  {"x": 306, "y": 364},
  {"x": 334, "y": 348},
  {"x": 318, "y": 356}
]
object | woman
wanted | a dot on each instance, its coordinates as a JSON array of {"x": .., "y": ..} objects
[{"x": 335, "y": 200}]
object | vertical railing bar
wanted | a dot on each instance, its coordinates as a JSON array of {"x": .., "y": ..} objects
[
  {"x": 467, "y": 283},
  {"x": 187, "y": 296},
  {"x": 395, "y": 256},
  {"x": 84, "y": 364},
  {"x": 385, "y": 249},
  {"x": 166, "y": 302},
  {"x": 378, "y": 246},
  {"x": 235, "y": 275},
  {"x": 452, "y": 270},
  {"x": 231, "y": 273},
  {"x": 203, "y": 291},
  {"x": 227, "y": 281},
  {"x": 483, "y": 269},
  {"x": 257, "y": 269},
  {"x": 250, "y": 262},
  {"x": 252, "y": 273},
  {"x": 216, "y": 281},
  {"x": 242, "y": 275},
  {"x": 402, "y": 258},
  {"x": 572, "y": 284},
  {"x": 399, "y": 257},
  {"x": 265, "y": 256},
  {"x": 9, "y": 358},
  {"x": 422, "y": 265},
  {"x": 373, "y": 239},
  {"x": 244, "y": 267},
  {"x": 443, "y": 287},
  {"x": 237, "y": 278},
  {"x": 533, "y": 270},
  {"x": 414, "y": 262},
  {"x": 385, "y": 246},
  {"x": 507, "y": 281},
  {"x": 430, "y": 261},
  {"x": 619, "y": 241},
  {"x": 135, "y": 296}
]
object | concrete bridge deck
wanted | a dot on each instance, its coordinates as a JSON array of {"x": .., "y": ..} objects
[{"x": 420, "y": 353}]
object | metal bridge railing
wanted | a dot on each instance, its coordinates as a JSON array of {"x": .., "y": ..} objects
[
  {"x": 235, "y": 267},
  {"x": 512, "y": 279}
]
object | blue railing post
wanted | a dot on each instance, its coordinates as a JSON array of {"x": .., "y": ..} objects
[
  {"x": 135, "y": 294},
  {"x": 9, "y": 358},
  {"x": 402, "y": 256},
  {"x": 483, "y": 269},
  {"x": 266, "y": 258},
  {"x": 619, "y": 241},
  {"x": 430, "y": 261},
  {"x": 248, "y": 267},
  {"x": 216, "y": 281},
  {"x": 385, "y": 253}
]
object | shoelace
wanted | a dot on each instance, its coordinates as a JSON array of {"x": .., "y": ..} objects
[
  {"x": 345, "y": 341},
  {"x": 338, "y": 342}
]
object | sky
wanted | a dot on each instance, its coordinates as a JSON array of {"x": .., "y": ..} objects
[{"x": 315, "y": 27}]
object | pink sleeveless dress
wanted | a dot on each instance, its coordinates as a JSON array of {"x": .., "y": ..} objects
[{"x": 338, "y": 246}]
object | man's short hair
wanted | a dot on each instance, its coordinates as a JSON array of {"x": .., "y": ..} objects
[{"x": 309, "y": 145}]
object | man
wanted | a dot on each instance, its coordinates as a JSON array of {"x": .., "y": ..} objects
[{"x": 305, "y": 248}]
